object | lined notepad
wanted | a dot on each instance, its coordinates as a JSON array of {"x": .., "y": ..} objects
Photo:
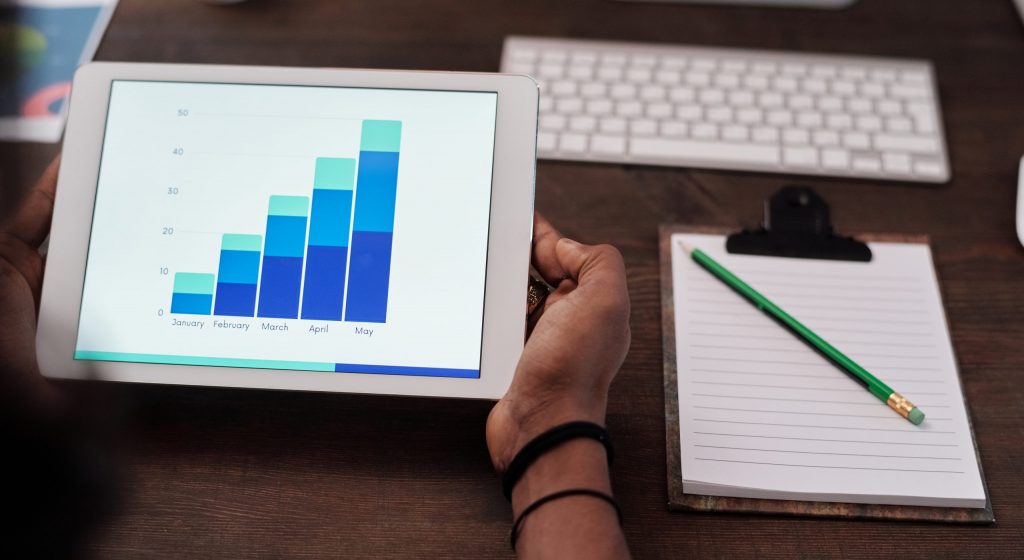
[{"x": 764, "y": 416}]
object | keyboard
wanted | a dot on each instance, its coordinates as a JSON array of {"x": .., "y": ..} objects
[{"x": 747, "y": 110}]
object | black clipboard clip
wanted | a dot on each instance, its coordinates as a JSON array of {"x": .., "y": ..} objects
[{"x": 797, "y": 224}]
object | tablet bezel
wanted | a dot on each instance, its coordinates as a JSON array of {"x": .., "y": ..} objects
[{"x": 508, "y": 251}]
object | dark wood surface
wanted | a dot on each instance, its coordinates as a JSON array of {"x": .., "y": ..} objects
[{"x": 215, "y": 473}]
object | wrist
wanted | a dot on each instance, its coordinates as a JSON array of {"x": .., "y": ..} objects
[
  {"x": 577, "y": 463},
  {"x": 531, "y": 418}
]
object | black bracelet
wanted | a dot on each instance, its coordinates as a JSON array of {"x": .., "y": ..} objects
[
  {"x": 558, "y": 495},
  {"x": 548, "y": 440}
]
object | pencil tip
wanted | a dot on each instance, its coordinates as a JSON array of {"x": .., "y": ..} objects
[{"x": 686, "y": 247}]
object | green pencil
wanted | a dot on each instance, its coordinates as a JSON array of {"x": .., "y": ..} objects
[{"x": 874, "y": 385}]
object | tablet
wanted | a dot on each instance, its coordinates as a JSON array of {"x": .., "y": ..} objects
[{"x": 308, "y": 229}]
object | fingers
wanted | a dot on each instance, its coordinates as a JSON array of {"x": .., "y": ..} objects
[
  {"x": 545, "y": 258},
  {"x": 31, "y": 223},
  {"x": 592, "y": 264}
]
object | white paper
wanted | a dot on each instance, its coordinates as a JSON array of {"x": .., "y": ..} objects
[{"x": 764, "y": 416}]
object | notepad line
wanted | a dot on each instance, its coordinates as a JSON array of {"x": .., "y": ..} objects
[
  {"x": 859, "y": 428},
  {"x": 828, "y": 466},
  {"x": 825, "y": 453},
  {"x": 832, "y": 440},
  {"x": 870, "y": 403},
  {"x": 881, "y": 417}
]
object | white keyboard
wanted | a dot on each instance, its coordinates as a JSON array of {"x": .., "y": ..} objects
[{"x": 734, "y": 109}]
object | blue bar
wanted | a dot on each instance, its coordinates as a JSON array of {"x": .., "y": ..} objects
[
  {"x": 235, "y": 300},
  {"x": 369, "y": 278},
  {"x": 374, "y": 223},
  {"x": 191, "y": 304},
  {"x": 325, "y": 283},
  {"x": 236, "y": 283},
  {"x": 283, "y": 250},
  {"x": 403, "y": 370},
  {"x": 279, "y": 287}
]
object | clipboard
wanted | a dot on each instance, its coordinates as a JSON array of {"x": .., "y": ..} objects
[{"x": 796, "y": 224}]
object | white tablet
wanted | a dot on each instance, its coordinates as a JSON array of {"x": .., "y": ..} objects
[{"x": 308, "y": 229}]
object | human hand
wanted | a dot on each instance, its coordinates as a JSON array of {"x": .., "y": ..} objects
[
  {"x": 575, "y": 349},
  {"x": 21, "y": 281}
]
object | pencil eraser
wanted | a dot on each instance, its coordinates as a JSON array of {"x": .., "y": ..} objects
[{"x": 916, "y": 416}]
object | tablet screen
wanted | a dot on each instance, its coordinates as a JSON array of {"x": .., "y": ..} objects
[{"x": 291, "y": 227}]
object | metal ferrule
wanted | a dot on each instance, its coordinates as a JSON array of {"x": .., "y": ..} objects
[{"x": 900, "y": 404}]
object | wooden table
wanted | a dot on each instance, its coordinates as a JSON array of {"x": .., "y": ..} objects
[{"x": 218, "y": 473}]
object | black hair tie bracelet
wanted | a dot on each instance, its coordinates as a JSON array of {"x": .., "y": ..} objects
[{"x": 547, "y": 441}]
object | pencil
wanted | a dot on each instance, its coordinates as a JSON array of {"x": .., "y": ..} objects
[{"x": 875, "y": 386}]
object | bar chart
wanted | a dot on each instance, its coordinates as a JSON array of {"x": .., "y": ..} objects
[
  {"x": 336, "y": 230},
  {"x": 302, "y": 265}
]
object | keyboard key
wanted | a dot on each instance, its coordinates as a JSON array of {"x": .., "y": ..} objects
[
  {"x": 734, "y": 66},
  {"x": 673, "y": 62},
  {"x": 579, "y": 72},
  {"x": 674, "y": 128},
  {"x": 869, "y": 89},
  {"x": 623, "y": 91},
  {"x": 797, "y": 102},
  {"x": 896, "y": 163},
  {"x": 705, "y": 131},
  {"x": 785, "y": 84},
  {"x": 741, "y": 98},
  {"x": 889, "y": 107},
  {"x": 802, "y": 157},
  {"x": 839, "y": 121},
  {"x": 546, "y": 141},
  {"x": 659, "y": 110},
  {"x": 550, "y": 71},
  {"x": 835, "y": 158},
  {"x": 928, "y": 167},
  {"x": 703, "y": 64},
  {"x": 749, "y": 115},
  {"x": 825, "y": 138},
  {"x": 609, "y": 73},
  {"x": 770, "y": 100},
  {"x": 867, "y": 163},
  {"x": 727, "y": 81},
  {"x": 906, "y": 143},
  {"x": 842, "y": 87},
  {"x": 720, "y": 114},
  {"x": 563, "y": 88},
  {"x": 780, "y": 117},
  {"x": 638, "y": 75},
  {"x": 735, "y": 132},
  {"x": 909, "y": 91},
  {"x": 755, "y": 82},
  {"x": 643, "y": 127},
  {"x": 604, "y": 144},
  {"x": 830, "y": 103},
  {"x": 702, "y": 150},
  {"x": 689, "y": 112},
  {"x": 712, "y": 96},
  {"x": 593, "y": 89},
  {"x": 814, "y": 86},
  {"x": 570, "y": 142},
  {"x": 695, "y": 78},
  {"x": 856, "y": 141},
  {"x": 547, "y": 103},
  {"x": 899, "y": 124},
  {"x": 668, "y": 77},
  {"x": 682, "y": 94},
  {"x": 860, "y": 106},
  {"x": 765, "y": 134},
  {"x": 629, "y": 108},
  {"x": 613, "y": 125},
  {"x": 582, "y": 123},
  {"x": 869, "y": 123},
  {"x": 652, "y": 93},
  {"x": 809, "y": 119},
  {"x": 643, "y": 60},
  {"x": 599, "y": 107},
  {"x": 796, "y": 136},
  {"x": 552, "y": 122},
  {"x": 569, "y": 106}
]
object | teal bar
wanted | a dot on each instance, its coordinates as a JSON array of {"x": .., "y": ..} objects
[
  {"x": 200, "y": 361},
  {"x": 241, "y": 242},
  {"x": 338, "y": 174},
  {"x": 193, "y": 283},
  {"x": 381, "y": 136},
  {"x": 297, "y": 206}
]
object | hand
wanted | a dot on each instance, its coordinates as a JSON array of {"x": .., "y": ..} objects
[
  {"x": 575, "y": 349},
  {"x": 21, "y": 281}
]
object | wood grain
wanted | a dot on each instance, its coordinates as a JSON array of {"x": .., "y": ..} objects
[{"x": 217, "y": 473}]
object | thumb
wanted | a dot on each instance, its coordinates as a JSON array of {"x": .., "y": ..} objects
[{"x": 574, "y": 257}]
